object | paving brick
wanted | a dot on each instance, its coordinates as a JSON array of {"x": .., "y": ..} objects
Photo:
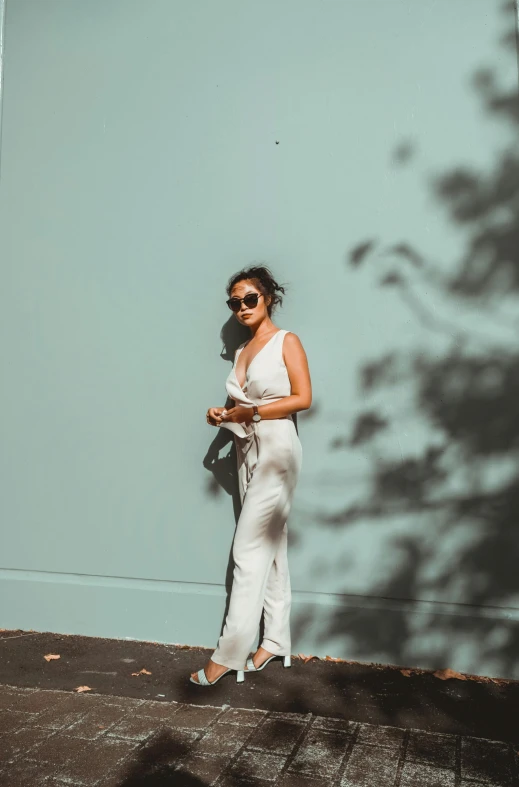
[
  {"x": 60, "y": 722},
  {"x": 123, "y": 777},
  {"x": 96, "y": 722},
  {"x": 242, "y": 717},
  {"x": 95, "y": 760},
  {"x": 303, "y": 780},
  {"x": 12, "y": 720},
  {"x": 296, "y": 718},
  {"x": 132, "y": 727},
  {"x": 112, "y": 700},
  {"x": 321, "y": 752},
  {"x": 166, "y": 747},
  {"x": 26, "y": 774},
  {"x": 160, "y": 711},
  {"x": 34, "y": 701},
  {"x": 433, "y": 748},
  {"x": 414, "y": 773},
  {"x": 62, "y": 713},
  {"x": 21, "y": 743},
  {"x": 368, "y": 766},
  {"x": 207, "y": 769},
  {"x": 486, "y": 760},
  {"x": 390, "y": 737},
  {"x": 235, "y": 780},
  {"x": 222, "y": 739},
  {"x": 486, "y": 783},
  {"x": 195, "y": 716},
  {"x": 257, "y": 765},
  {"x": 8, "y": 699},
  {"x": 276, "y": 735},
  {"x": 57, "y": 749},
  {"x": 341, "y": 725}
]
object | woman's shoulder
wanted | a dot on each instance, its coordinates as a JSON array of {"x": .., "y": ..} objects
[
  {"x": 291, "y": 337},
  {"x": 292, "y": 345}
]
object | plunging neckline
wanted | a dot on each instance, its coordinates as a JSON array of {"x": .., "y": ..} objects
[{"x": 253, "y": 359}]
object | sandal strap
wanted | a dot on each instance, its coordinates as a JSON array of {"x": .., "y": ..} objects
[
  {"x": 250, "y": 665},
  {"x": 202, "y": 679}
]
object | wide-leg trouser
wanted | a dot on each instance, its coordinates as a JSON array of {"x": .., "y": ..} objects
[{"x": 261, "y": 580}]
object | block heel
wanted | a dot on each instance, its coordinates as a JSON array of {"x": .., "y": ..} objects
[
  {"x": 251, "y": 668},
  {"x": 202, "y": 678}
]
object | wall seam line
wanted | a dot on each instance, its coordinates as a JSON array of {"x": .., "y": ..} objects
[{"x": 317, "y": 598}]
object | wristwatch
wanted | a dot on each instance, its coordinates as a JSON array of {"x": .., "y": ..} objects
[{"x": 256, "y": 417}]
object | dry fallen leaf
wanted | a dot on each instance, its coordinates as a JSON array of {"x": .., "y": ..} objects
[
  {"x": 445, "y": 674},
  {"x": 82, "y": 688},
  {"x": 331, "y": 658},
  {"x": 406, "y": 672},
  {"x": 142, "y": 672},
  {"x": 306, "y": 659},
  {"x": 485, "y": 679},
  {"x": 51, "y": 656}
]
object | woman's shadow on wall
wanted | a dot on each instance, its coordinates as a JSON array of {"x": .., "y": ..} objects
[{"x": 220, "y": 459}]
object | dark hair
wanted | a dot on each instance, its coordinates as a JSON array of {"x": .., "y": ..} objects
[{"x": 263, "y": 280}]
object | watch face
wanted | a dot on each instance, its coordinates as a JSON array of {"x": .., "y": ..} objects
[{"x": 256, "y": 417}]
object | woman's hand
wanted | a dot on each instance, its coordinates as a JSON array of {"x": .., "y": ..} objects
[
  {"x": 238, "y": 414},
  {"x": 214, "y": 415}
]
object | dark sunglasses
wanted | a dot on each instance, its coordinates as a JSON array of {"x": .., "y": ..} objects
[{"x": 250, "y": 301}]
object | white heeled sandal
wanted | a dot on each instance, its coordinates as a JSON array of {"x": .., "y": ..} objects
[
  {"x": 202, "y": 678},
  {"x": 251, "y": 668}
]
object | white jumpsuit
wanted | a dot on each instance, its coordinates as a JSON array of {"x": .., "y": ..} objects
[{"x": 269, "y": 462}]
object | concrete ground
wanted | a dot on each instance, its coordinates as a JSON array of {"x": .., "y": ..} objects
[{"x": 318, "y": 724}]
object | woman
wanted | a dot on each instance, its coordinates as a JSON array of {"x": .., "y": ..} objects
[{"x": 269, "y": 382}]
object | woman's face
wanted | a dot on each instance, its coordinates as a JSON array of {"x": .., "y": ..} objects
[{"x": 250, "y": 315}]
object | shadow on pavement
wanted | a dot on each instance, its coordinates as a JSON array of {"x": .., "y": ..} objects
[{"x": 153, "y": 765}]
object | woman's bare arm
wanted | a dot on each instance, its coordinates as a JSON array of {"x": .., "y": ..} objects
[{"x": 299, "y": 374}]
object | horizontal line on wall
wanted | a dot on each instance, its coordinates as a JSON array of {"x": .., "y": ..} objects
[{"x": 346, "y": 600}]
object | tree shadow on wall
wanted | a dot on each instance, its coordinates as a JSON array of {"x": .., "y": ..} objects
[{"x": 457, "y": 492}]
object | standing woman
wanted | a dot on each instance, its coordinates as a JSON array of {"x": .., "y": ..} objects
[{"x": 269, "y": 381}]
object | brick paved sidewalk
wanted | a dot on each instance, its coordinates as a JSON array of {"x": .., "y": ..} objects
[{"x": 59, "y": 738}]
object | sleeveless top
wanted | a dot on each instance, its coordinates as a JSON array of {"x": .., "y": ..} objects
[{"x": 266, "y": 381}]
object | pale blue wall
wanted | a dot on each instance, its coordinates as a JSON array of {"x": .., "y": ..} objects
[{"x": 140, "y": 169}]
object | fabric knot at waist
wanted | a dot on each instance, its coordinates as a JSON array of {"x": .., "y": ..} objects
[{"x": 247, "y": 432}]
